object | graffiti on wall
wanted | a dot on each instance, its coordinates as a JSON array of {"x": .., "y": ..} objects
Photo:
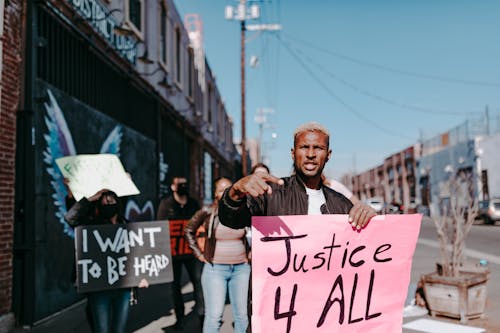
[{"x": 59, "y": 143}]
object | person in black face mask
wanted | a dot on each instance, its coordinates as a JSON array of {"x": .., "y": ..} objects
[
  {"x": 107, "y": 207},
  {"x": 177, "y": 208},
  {"x": 109, "y": 308}
]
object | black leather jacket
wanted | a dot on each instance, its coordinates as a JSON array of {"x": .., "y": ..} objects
[
  {"x": 169, "y": 208},
  {"x": 204, "y": 216},
  {"x": 288, "y": 199}
]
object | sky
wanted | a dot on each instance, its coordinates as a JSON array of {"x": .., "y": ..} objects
[{"x": 379, "y": 74}]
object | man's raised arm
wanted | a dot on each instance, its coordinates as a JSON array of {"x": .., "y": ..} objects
[{"x": 245, "y": 198}]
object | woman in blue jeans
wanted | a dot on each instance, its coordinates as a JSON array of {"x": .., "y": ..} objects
[{"x": 226, "y": 268}]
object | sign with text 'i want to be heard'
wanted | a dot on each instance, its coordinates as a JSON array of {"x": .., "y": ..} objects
[
  {"x": 119, "y": 256},
  {"x": 316, "y": 274}
]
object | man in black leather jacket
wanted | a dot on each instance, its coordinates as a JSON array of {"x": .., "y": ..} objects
[{"x": 301, "y": 194}]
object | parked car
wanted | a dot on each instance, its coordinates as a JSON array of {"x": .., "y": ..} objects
[
  {"x": 395, "y": 208},
  {"x": 489, "y": 211},
  {"x": 412, "y": 207},
  {"x": 375, "y": 203}
]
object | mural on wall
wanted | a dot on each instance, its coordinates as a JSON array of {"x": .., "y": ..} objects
[
  {"x": 60, "y": 143},
  {"x": 64, "y": 125},
  {"x": 164, "y": 188}
]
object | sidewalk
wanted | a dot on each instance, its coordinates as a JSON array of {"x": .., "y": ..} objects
[
  {"x": 153, "y": 314},
  {"x": 164, "y": 324},
  {"x": 73, "y": 320}
]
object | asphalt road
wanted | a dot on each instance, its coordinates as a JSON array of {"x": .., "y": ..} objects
[
  {"x": 482, "y": 243},
  {"x": 482, "y": 238}
]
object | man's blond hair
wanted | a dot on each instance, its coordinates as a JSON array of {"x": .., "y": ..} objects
[{"x": 311, "y": 126}]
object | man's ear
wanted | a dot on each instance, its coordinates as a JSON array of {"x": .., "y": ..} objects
[
  {"x": 329, "y": 155},
  {"x": 292, "y": 152},
  {"x": 172, "y": 187}
]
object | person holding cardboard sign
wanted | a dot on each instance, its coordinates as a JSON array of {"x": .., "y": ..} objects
[
  {"x": 303, "y": 193},
  {"x": 226, "y": 268},
  {"x": 109, "y": 308}
]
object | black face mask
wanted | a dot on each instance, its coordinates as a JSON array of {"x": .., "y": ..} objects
[
  {"x": 108, "y": 211},
  {"x": 182, "y": 189}
]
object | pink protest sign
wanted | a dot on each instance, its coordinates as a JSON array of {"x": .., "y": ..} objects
[{"x": 316, "y": 274}]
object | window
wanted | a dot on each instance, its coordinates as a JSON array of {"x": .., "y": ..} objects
[
  {"x": 163, "y": 34},
  {"x": 209, "y": 104},
  {"x": 134, "y": 16},
  {"x": 178, "y": 54},
  {"x": 191, "y": 74},
  {"x": 135, "y": 13},
  {"x": 220, "y": 114}
]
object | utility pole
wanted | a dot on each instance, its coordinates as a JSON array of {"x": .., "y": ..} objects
[
  {"x": 242, "y": 13},
  {"x": 243, "y": 114}
]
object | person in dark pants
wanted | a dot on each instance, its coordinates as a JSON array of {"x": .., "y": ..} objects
[
  {"x": 180, "y": 206},
  {"x": 110, "y": 307}
]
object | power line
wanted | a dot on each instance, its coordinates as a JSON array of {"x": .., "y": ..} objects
[
  {"x": 376, "y": 96},
  {"x": 337, "y": 98},
  {"x": 395, "y": 70}
]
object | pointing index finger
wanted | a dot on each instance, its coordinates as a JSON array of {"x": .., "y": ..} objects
[{"x": 268, "y": 178}]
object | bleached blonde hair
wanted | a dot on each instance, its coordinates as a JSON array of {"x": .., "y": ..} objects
[{"x": 311, "y": 126}]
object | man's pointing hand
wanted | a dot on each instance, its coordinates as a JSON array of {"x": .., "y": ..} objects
[{"x": 255, "y": 185}]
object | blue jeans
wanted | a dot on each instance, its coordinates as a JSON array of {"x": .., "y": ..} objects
[
  {"x": 216, "y": 280},
  {"x": 109, "y": 310}
]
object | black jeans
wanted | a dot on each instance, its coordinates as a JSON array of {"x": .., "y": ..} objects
[{"x": 194, "y": 268}]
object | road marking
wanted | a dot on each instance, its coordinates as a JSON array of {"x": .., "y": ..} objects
[{"x": 470, "y": 253}]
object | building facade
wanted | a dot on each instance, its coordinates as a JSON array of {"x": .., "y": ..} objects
[
  {"x": 416, "y": 176},
  {"x": 11, "y": 15},
  {"x": 95, "y": 76},
  {"x": 468, "y": 149},
  {"x": 392, "y": 181}
]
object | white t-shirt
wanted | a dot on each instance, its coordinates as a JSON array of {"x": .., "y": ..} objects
[{"x": 316, "y": 200}]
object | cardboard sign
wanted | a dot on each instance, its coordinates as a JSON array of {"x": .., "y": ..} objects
[
  {"x": 119, "y": 256},
  {"x": 316, "y": 274},
  {"x": 178, "y": 243},
  {"x": 88, "y": 174}
]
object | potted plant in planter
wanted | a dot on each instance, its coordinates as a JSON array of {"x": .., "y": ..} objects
[{"x": 457, "y": 289}]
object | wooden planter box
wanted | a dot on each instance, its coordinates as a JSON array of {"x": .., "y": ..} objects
[{"x": 462, "y": 297}]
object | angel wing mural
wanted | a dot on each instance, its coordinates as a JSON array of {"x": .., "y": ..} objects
[{"x": 59, "y": 144}]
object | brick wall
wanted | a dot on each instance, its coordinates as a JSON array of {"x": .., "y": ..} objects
[{"x": 9, "y": 104}]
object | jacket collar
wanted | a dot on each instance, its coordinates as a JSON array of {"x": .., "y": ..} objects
[{"x": 302, "y": 186}]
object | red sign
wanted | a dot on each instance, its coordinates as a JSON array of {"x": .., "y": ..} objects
[{"x": 178, "y": 244}]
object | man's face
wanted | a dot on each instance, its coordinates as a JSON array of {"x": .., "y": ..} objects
[
  {"x": 310, "y": 153},
  {"x": 180, "y": 186}
]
